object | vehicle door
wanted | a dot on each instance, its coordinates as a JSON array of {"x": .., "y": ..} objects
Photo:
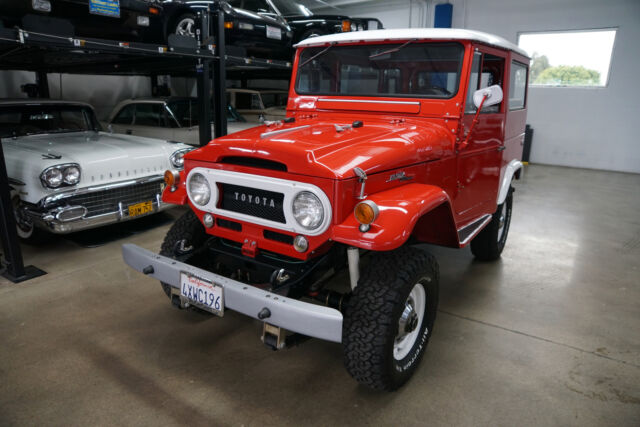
[
  {"x": 478, "y": 163},
  {"x": 123, "y": 120},
  {"x": 249, "y": 105},
  {"x": 183, "y": 119},
  {"x": 148, "y": 121}
]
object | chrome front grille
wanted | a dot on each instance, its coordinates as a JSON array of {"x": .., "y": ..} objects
[{"x": 107, "y": 200}]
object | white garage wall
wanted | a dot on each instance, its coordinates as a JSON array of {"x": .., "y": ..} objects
[{"x": 579, "y": 127}]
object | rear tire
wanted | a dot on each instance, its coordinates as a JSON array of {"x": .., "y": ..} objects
[
  {"x": 390, "y": 317},
  {"x": 489, "y": 243},
  {"x": 185, "y": 235}
]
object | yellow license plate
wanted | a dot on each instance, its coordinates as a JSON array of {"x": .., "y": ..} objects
[{"x": 140, "y": 208}]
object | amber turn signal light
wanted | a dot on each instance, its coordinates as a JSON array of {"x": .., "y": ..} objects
[
  {"x": 228, "y": 25},
  {"x": 366, "y": 212},
  {"x": 154, "y": 11},
  {"x": 346, "y": 26},
  {"x": 171, "y": 178}
]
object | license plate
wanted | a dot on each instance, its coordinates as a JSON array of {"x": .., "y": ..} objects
[
  {"x": 273, "y": 33},
  {"x": 105, "y": 7},
  {"x": 202, "y": 293},
  {"x": 140, "y": 208}
]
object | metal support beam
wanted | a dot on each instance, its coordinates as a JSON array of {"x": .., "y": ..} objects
[
  {"x": 219, "y": 75},
  {"x": 203, "y": 81},
  {"x": 43, "y": 84},
  {"x": 13, "y": 263}
]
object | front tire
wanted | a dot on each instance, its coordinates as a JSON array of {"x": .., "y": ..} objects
[
  {"x": 185, "y": 236},
  {"x": 390, "y": 317},
  {"x": 489, "y": 243}
]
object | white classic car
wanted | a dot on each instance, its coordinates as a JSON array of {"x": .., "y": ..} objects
[
  {"x": 67, "y": 175},
  {"x": 171, "y": 118},
  {"x": 258, "y": 105}
]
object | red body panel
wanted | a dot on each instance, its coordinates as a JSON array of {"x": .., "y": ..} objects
[{"x": 442, "y": 188}]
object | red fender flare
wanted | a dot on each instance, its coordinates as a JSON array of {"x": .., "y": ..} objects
[{"x": 400, "y": 210}]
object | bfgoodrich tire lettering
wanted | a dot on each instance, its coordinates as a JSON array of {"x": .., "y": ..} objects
[{"x": 371, "y": 323}]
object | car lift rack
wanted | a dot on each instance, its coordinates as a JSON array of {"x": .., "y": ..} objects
[{"x": 40, "y": 51}]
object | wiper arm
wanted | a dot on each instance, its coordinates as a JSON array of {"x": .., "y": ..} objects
[
  {"x": 395, "y": 49},
  {"x": 322, "y": 52}
]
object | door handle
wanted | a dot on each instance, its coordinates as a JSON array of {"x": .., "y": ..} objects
[
  {"x": 502, "y": 148},
  {"x": 128, "y": 131}
]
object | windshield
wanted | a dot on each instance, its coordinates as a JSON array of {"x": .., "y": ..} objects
[
  {"x": 20, "y": 120},
  {"x": 289, "y": 8},
  {"x": 424, "y": 70},
  {"x": 274, "y": 99}
]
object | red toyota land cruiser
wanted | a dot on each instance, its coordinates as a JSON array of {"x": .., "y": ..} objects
[{"x": 392, "y": 138}]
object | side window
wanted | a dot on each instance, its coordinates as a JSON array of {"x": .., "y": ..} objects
[
  {"x": 125, "y": 116},
  {"x": 254, "y": 5},
  {"x": 492, "y": 73},
  {"x": 473, "y": 83},
  {"x": 248, "y": 101},
  {"x": 517, "y": 86},
  {"x": 148, "y": 115},
  {"x": 256, "y": 104}
]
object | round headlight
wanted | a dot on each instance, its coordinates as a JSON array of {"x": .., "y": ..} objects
[
  {"x": 199, "y": 189},
  {"x": 52, "y": 177},
  {"x": 177, "y": 158},
  {"x": 308, "y": 210},
  {"x": 71, "y": 175}
]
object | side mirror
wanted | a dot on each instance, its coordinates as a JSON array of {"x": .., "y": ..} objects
[{"x": 493, "y": 93}]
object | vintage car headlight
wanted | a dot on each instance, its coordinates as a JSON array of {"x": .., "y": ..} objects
[
  {"x": 308, "y": 210},
  {"x": 177, "y": 158},
  {"x": 199, "y": 190},
  {"x": 71, "y": 175},
  {"x": 56, "y": 176}
]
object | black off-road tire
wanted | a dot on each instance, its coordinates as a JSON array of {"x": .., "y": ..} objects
[
  {"x": 489, "y": 243},
  {"x": 371, "y": 320},
  {"x": 185, "y": 235}
]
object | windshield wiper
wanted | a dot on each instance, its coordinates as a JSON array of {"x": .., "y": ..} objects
[
  {"x": 322, "y": 52},
  {"x": 395, "y": 49}
]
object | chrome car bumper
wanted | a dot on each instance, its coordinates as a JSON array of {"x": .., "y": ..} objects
[
  {"x": 96, "y": 206},
  {"x": 305, "y": 318}
]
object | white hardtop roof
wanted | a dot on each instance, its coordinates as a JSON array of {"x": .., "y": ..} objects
[{"x": 413, "y": 33}]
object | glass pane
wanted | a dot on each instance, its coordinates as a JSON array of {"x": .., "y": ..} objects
[
  {"x": 426, "y": 70},
  {"x": 125, "y": 116},
  {"x": 18, "y": 120},
  {"x": 148, "y": 114},
  {"x": 473, "y": 82},
  {"x": 518, "y": 85},
  {"x": 569, "y": 58}
]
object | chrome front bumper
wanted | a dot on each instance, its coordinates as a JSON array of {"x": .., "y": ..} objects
[
  {"x": 47, "y": 213},
  {"x": 53, "y": 225},
  {"x": 305, "y": 318}
]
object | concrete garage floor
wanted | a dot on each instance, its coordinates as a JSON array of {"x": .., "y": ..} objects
[{"x": 549, "y": 335}]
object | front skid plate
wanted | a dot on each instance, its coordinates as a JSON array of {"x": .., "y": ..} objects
[{"x": 297, "y": 316}]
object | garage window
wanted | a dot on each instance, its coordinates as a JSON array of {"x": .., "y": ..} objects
[{"x": 569, "y": 58}]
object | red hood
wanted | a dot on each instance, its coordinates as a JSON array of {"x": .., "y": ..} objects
[{"x": 313, "y": 146}]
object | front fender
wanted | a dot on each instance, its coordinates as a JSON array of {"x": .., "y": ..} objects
[
  {"x": 400, "y": 210},
  {"x": 176, "y": 197}
]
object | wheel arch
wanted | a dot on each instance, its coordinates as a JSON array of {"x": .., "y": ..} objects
[
  {"x": 513, "y": 168},
  {"x": 418, "y": 211}
]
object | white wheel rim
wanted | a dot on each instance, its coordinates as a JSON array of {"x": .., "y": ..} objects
[
  {"x": 185, "y": 27},
  {"x": 23, "y": 229},
  {"x": 415, "y": 305}
]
